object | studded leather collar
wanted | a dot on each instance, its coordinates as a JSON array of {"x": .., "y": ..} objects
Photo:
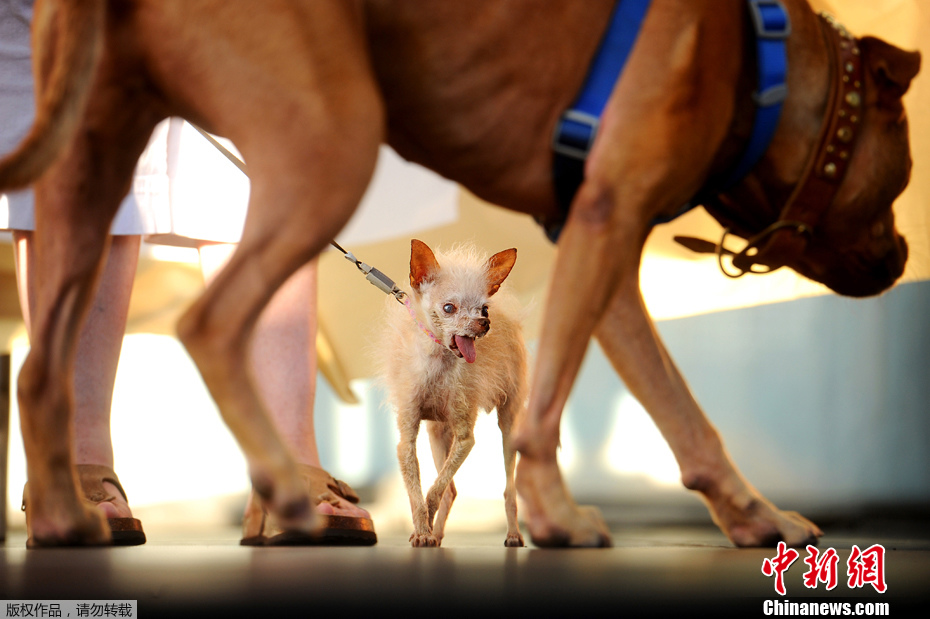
[{"x": 824, "y": 172}]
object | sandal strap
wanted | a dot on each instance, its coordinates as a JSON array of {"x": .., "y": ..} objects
[
  {"x": 321, "y": 481},
  {"x": 92, "y": 478}
]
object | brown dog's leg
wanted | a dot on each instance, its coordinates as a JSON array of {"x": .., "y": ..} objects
[
  {"x": 636, "y": 352},
  {"x": 663, "y": 128},
  {"x": 282, "y": 234},
  {"x": 440, "y": 441},
  {"x": 552, "y": 516},
  {"x": 75, "y": 202},
  {"x": 658, "y": 137},
  {"x": 309, "y": 130}
]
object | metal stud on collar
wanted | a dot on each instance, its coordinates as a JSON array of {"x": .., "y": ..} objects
[{"x": 837, "y": 152}]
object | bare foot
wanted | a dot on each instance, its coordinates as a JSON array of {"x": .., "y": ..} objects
[
  {"x": 553, "y": 518},
  {"x": 115, "y": 506},
  {"x": 338, "y": 506}
]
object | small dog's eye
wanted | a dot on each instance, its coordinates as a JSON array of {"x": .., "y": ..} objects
[
  {"x": 448, "y": 308},
  {"x": 484, "y": 311}
]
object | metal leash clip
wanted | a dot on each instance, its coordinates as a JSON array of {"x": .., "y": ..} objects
[{"x": 375, "y": 277}]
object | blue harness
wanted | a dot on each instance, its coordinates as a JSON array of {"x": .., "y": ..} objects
[{"x": 577, "y": 128}]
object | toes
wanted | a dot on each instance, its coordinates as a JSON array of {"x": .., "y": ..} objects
[
  {"x": 342, "y": 508},
  {"x": 114, "y": 506},
  {"x": 109, "y": 510}
]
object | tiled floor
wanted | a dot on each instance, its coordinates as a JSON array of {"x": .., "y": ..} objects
[{"x": 662, "y": 571}]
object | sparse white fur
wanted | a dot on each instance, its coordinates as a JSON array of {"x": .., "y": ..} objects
[{"x": 432, "y": 382}]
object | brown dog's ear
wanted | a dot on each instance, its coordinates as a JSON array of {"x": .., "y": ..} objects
[
  {"x": 891, "y": 68},
  {"x": 499, "y": 266},
  {"x": 423, "y": 265}
]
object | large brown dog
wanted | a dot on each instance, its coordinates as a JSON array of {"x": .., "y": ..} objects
[{"x": 308, "y": 90}]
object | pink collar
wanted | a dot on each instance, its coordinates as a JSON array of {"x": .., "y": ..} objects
[{"x": 423, "y": 327}]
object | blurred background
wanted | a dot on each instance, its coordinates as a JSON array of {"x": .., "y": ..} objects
[{"x": 822, "y": 401}]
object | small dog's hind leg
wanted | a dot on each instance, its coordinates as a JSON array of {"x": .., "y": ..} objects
[{"x": 505, "y": 423}]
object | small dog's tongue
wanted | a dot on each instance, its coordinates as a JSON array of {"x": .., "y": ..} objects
[{"x": 466, "y": 346}]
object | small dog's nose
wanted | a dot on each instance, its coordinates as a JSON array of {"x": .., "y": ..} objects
[{"x": 484, "y": 325}]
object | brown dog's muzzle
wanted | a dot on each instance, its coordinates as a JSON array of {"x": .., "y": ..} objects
[{"x": 857, "y": 272}]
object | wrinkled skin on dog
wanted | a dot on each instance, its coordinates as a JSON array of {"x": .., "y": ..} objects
[{"x": 308, "y": 90}]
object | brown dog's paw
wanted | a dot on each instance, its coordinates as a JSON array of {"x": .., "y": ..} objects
[
  {"x": 755, "y": 522},
  {"x": 89, "y": 528},
  {"x": 552, "y": 517},
  {"x": 775, "y": 526}
]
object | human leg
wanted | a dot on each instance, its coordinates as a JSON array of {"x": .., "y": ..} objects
[
  {"x": 283, "y": 362},
  {"x": 97, "y": 357}
]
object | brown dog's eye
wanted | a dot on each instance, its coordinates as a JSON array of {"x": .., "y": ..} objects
[
  {"x": 448, "y": 308},
  {"x": 484, "y": 311}
]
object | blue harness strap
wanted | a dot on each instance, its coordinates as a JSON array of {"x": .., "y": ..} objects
[
  {"x": 772, "y": 27},
  {"x": 577, "y": 128}
]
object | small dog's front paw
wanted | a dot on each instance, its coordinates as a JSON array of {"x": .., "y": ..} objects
[
  {"x": 514, "y": 541},
  {"x": 424, "y": 540}
]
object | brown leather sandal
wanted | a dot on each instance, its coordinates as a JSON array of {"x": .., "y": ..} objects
[
  {"x": 124, "y": 531},
  {"x": 260, "y": 529}
]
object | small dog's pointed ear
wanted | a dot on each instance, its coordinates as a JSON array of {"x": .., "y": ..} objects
[
  {"x": 423, "y": 265},
  {"x": 499, "y": 266}
]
